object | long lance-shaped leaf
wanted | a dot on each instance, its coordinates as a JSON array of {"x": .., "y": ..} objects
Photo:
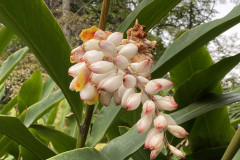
[
  {"x": 5, "y": 37},
  {"x": 10, "y": 63},
  {"x": 84, "y": 153},
  {"x": 48, "y": 87},
  {"x": 61, "y": 142},
  {"x": 40, "y": 31},
  {"x": 131, "y": 141},
  {"x": 149, "y": 13},
  {"x": 15, "y": 129},
  {"x": 192, "y": 40},
  {"x": 39, "y": 109}
]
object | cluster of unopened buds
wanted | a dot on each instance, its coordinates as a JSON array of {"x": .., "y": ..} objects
[{"x": 108, "y": 66}]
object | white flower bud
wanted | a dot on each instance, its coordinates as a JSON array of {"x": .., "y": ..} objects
[
  {"x": 101, "y": 67},
  {"x": 166, "y": 84},
  {"x": 160, "y": 122},
  {"x": 133, "y": 67},
  {"x": 71, "y": 86},
  {"x": 92, "y": 44},
  {"x": 88, "y": 92},
  {"x": 76, "y": 68},
  {"x": 129, "y": 81},
  {"x": 116, "y": 98},
  {"x": 93, "y": 56},
  {"x": 145, "y": 74},
  {"x": 116, "y": 38},
  {"x": 100, "y": 35},
  {"x": 143, "y": 80},
  {"x": 165, "y": 103},
  {"x": 105, "y": 98},
  {"x": 121, "y": 62},
  {"x": 156, "y": 141},
  {"x": 111, "y": 84},
  {"x": 108, "y": 48},
  {"x": 148, "y": 107},
  {"x": 177, "y": 131},
  {"x": 169, "y": 119},
  {"x": 153, "y": 87},
  {"x": 144, "y": 123},
  {"x": 150, "y": 134},
  {"x": 176, "y": 151},
  {"x": 121, "y": 91},
  {"x": 133, "y": 101},
  {"x": 129, "y": 50},
  {"x": 96, "y": 78},
  {"x": 125, "y": 96},
  {"x": 154, "y": 153},
  {"x": 144, "y": 66}
]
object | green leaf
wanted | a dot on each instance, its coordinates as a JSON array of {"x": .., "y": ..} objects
[
  {"x": 104, "y": 120},
  {"x": 204, "y": 81},
  {"x": 19, "y": 133},
  {"x": 148, "y": 13},
  {"x": 2, "y": 90},
  {"x": 30, "y": 92},
  {"x": 41, "y": 32},
  {"x": 39, "y": 109},
  {"x": 9, "y": 106},
  {"x": 5, "y": 37},
  {"x": 48, "y": 86},
  {"x": 10, "y": 63},
  {"x": 61, "y": 142},
  {"x": 83, "y": 153},
  {"x": 207, "y": 154},
  {"x": 192, "y": 40},
  {"x": 125, "y": 145},
  {"x": 52, "y": 115},
  {"x": 144, "y": 154},
  {"x": 237, "y": 155}
]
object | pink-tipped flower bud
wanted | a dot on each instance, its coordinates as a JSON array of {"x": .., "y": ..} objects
[
  {"x": 156, "y": 141},
  {"x": 117, "y": 99},
  {"x": 116, "y": 38},
  {"x": 129, "y": 50},
  {"x": 153, "y": 87},
  {"x": 92, "y": 44},
  {"x": 170, "y": 120},
  {"x": 154, "y": 153},
  {"x": 166, "y": 84},
  {"x": 129, "y": 81},
  {"x": 177, "y": 131},
  {"x": 143, "y": 80},
  {"x": 176, "y": 151},
  {"x": 76, "y": 69},
  {"x": 108, "y": 48},
  {"x": 165, "y": 103},
  {"x": 149, "y": 107},
  {"x": 121, "y": 62},
  {"x": 125, "y": 96},
  {"x": 96, "y": 78},
  {"x": 93, "y": 56},
  {"x": 145, "y": 74},
  {"x": 150, "y": 134},
  {"x": 133, "y": 101},
  {"x": 88, "y": 92},
  {"x": 111, "y": 84},
  {"x": 101, "y": 67},
  {"x": 144, "y": 66},
  {"x": 106, "y": 98},
  {"x": 160, "y": 122},
  {"x": 144, "y": 123},
  {"x": 100, "y": 35}
]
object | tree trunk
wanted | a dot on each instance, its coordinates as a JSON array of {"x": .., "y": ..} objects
[{"x": 65, "y": 14}]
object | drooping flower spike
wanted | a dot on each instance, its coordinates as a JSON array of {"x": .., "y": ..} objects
[{"x": 108, "y": 66}]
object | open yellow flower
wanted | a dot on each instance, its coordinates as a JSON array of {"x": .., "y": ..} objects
[{"x": 88, "y": 33}]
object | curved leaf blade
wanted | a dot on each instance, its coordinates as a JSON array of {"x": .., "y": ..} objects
[
  {"x": 192, "y": 40},
  {"x": 10, "y": 63},
  {"x": 148, "y": 13},
  {"x": 40, "y": 31},
  {"x": 84, "y": 153},
  {"x": 15, "y": 130},
  {"x": 5, "y": 37}
]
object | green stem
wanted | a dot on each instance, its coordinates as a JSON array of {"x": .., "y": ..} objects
[
  {"x": 83, "y": 129},
  {"x": 104, "y": 13},
  {"x": 233, "y": 146}
]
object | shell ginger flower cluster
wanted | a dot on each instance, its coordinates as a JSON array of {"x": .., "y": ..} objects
[{"x": 108, "y": 66}]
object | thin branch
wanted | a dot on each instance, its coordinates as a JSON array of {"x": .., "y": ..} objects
[{"x": 104, "y": 13}]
